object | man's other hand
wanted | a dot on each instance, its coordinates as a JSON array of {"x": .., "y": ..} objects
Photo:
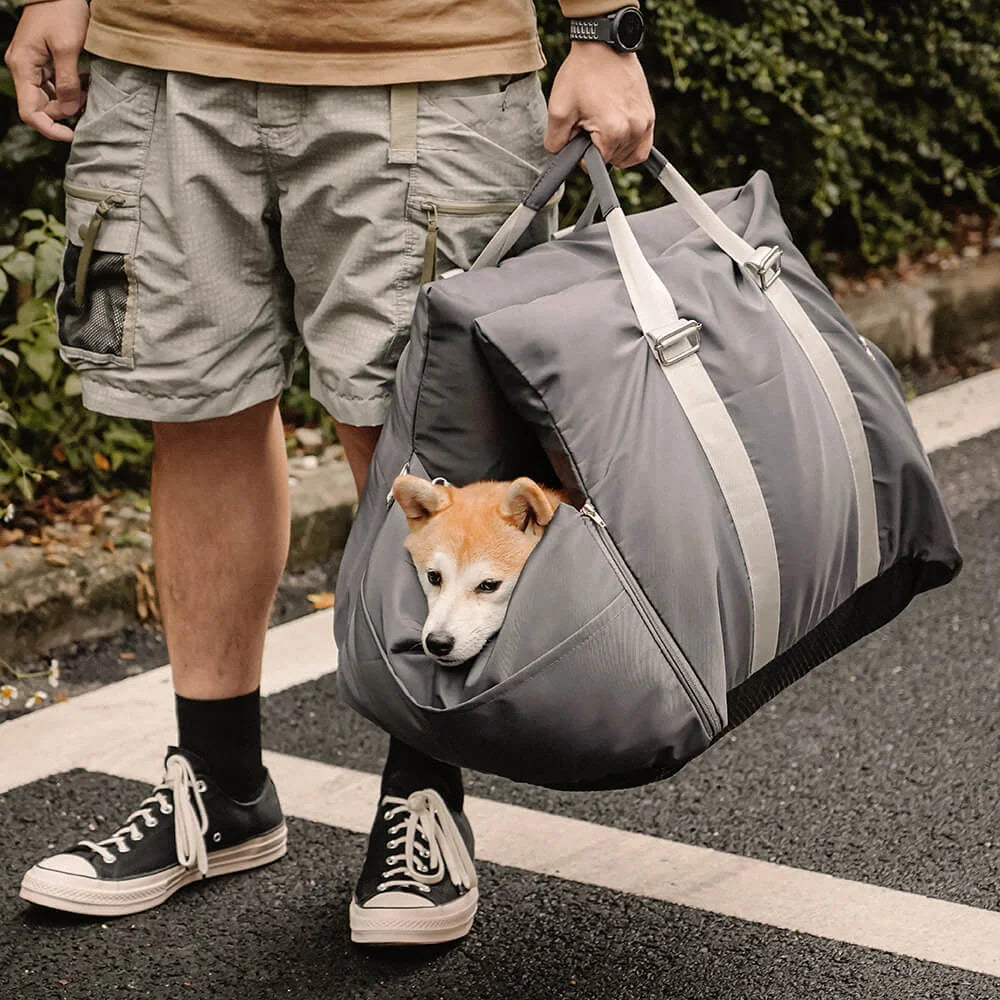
[
  {"x": 43, "y": 60},
  {"x": 604, "y": 92}
]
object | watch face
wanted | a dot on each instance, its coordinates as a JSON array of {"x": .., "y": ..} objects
[{"x": 630, "y": 28}]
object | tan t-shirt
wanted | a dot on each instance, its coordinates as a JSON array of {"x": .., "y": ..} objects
[{"x": 353, "y": 43}]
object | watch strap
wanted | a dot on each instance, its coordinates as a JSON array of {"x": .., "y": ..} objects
[{"x": 590, "y": 29}]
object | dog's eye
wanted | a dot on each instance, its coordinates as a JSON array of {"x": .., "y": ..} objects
[
  {"x": 488, "y": 586},
  {"x": 434, "y": 578}
]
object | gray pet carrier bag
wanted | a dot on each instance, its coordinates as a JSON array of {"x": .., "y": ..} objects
[{"x": 750, "y": 494}]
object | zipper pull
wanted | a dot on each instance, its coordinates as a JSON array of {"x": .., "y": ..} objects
[
  {"x": 430, "y": 271},
  {"x": 589, "y": 510},
  {"x": 88, "y": 237}
]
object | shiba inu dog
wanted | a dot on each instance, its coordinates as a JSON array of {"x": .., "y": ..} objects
[{"x": 469, "y": 545}]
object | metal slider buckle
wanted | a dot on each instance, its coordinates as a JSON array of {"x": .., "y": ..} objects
[
  {"x": 688, "y": 331},
  {"x": 766, "y": 266}
]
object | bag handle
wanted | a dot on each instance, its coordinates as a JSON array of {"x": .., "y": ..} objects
[
  {"x": 763, "y": 262},
  {"x": 670, "y": 337},
  {"x": 542, "y": 191}
]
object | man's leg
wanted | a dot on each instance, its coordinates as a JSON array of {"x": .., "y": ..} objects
[
  {"x": 220, "y": 541},
  {"x": 220, "y": 530},
  {"x": 391, "y": 905}
]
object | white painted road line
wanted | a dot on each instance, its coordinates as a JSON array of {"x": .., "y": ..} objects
[
  {"x": 870, "y": 916},
  {"x": 956, "y": 413},
  {"x": 89, "y": 729}
]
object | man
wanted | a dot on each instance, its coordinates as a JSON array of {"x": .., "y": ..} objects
[{"x": 247, "y": 179}]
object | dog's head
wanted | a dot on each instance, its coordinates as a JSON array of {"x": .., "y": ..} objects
[{"x": 469, "y": 545}]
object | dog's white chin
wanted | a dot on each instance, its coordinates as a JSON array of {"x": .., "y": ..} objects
[{"x": 449, "y": 661}]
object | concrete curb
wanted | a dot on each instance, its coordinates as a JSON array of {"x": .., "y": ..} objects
[
  {"x": 97, "y": 593},
  {"x": 943, "y": 312},
  {"x": 44, "y": 606}
]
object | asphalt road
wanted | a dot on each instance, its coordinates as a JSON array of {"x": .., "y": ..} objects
[{"x": 879, "y": 768}]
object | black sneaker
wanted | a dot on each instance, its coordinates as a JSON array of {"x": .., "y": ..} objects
[
  {"x": 184, "y": 831},
  {"x": 418, "y": 885}
]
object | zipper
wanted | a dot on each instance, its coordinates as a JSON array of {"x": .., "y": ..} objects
[
  {"x": 106, "y": 200},
  {"x": 690, "y": 681},
  {"x": 430, "y": 244},
  {"x": 432, "y": 209}
]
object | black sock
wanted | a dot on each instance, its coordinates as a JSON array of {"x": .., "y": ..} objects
[
  {"x": 407, "y": 770},
  {"x": 225, "y": 734}
]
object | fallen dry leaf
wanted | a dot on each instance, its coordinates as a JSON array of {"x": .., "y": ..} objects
[
  {"x": 56, "y": 560},
  {"x": 101, "y": 461},
  {"x": 321, "y": 601},
  {"x": 10, "y": 537},
  {"x": 147, "y": 606},
  {"x": 126, "y": 656}
]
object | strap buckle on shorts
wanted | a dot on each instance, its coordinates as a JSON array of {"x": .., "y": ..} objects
[
  {"x": 687, "y": 334},
  {"x": 403, "y": 103}
]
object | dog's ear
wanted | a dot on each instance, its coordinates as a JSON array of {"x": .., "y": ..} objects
[
  {"x": 419, "y": 499},
  {"x": 527, "y": 506}
]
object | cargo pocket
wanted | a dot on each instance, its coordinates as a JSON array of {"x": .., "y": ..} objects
[
  {"x": 479, "y": 150},
  {"x": 96, "y": 300}
]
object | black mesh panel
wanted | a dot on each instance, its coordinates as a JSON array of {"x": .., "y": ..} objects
[{"x": 99, "y": 325}]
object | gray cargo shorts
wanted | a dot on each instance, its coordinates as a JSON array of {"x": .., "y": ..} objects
[{"x": 215, "y": 227}]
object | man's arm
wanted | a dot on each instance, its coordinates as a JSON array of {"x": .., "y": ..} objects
[
  {"x": 43, "y": 60},
  {"x": 604, "y": 92}
]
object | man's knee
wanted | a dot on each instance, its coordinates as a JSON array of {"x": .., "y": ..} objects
[{"x": 250, "y": 425}]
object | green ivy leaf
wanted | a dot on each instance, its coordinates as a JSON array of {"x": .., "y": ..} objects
[
  {"x": 4, "y": 284},
  {"x": 19, "y": 265},
  {"x": 48, "y": 266},
  {"x": 40, "y": 361},
  {"x": 33, "y": 311},
  {"x": 11, "y": 356},
  {"x": 72, "y": 386},
  {"x": 6, "y": 419},
  {"x": 34, "y": 215}
]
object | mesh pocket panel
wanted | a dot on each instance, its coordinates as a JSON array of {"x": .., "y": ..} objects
[{"x": 98, "y": 326}]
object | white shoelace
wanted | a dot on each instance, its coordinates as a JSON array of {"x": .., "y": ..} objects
[
  {"x": 190, "y": 821},
  {"x": 439, "y": 851}
]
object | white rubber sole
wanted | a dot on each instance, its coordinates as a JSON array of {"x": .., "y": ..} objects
[
  {"x": 100, "y": 898},
  {"x": 424, "y": 925}
]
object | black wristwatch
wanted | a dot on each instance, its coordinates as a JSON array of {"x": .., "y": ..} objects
[{"x": 622, "y": 29}]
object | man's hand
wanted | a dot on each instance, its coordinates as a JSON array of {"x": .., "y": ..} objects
[
  {"x": 43, "y": 60},
  {"x": 604, "y": 92}
]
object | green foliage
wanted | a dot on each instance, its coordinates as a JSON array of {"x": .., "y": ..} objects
[
  {"x": 874, "y": 120},
  {"x": 30, "y": 165},
  {"x": 45, "y": 433}
]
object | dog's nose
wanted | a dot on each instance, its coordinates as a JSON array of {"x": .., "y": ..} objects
[{"x": 439, "y": 643}]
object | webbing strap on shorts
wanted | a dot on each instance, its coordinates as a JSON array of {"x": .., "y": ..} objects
[{"x": 403, "y": 123}]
